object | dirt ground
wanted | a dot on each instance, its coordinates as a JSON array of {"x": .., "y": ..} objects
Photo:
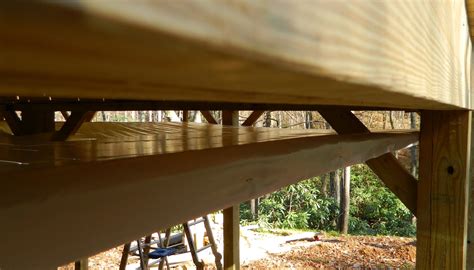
[
  {"x": 297, "y": 250},
  {"x": 345, "y": 252}
]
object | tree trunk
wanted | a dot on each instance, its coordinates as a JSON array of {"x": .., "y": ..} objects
[
  {"x": 308, "y": 120},
  {"x": 104, "y": 117},
  {"x": 324, "y": 185},
  {"x": 335, "y": 187},
  {"x": 335, "y": 190},
  {"x": 254, "y": 208},
  {"x": 392, "y": 124},
  {"x": 279, "y": 119},
  {"x": 345, "y": 201},
  {"x": 159, "y": 116},
  {"x": 268, "y": 119}
]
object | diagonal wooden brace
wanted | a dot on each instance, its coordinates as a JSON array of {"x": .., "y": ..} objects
[
  {"x": 386, "y": 167},
  {"x": 253, "y": 117},
  {"x": 208, "y": 116},
  {"x": 72, "y": 124},
  {"x": 13, "y": 121}
]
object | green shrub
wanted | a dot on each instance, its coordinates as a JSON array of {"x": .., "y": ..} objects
[{"x": 374, "y": 209}]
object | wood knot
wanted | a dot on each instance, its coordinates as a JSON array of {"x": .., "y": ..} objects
[{"x": 450, "y": 170}]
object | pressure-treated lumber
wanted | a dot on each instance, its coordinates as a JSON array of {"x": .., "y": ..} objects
[
  {"x": 250, "y": 121},
  {"x": 231, "y": 227},
  {"x": 72, "y": 124},
  {"x": 443, "y": 190},
  {"x": 98, "y": 177},
  {"x": 185, "y": 116},
  {"x": 65, "y": 114},
  {"x": 469, "y": 55},
  {"x": 13, "y": 121},
  {"x": 231, "y": 234},
  {"x": 404, "y": 54},
  {"x": 252, "y": 118},
  {"x": 470, "y": 234},
  {"x": 31, "y": 122},
  {"x": 176, "y": 105},
  {"x": 470, "y": 16},
  {"x": 386, "y": 167},
  {"x": 208, "y": 116},
  {"x": 81, "y": 265}
]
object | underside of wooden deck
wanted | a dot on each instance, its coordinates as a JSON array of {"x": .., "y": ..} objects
[
  {"x": 87, "y": 186},
  {"x": 125, "y": 175}
]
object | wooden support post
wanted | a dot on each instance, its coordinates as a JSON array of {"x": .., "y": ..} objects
[
  {"x": 231, "y": 214},
  {"x": 81, "y": 265},
  {"x": 185, "y": 116},
  {"x": 231, "y": 238},
  {"x": 470, "y": 232},
  {"x": 443, "y": 190},
  {"x": 386, "y": 167},
  {"x": 250, "y": 121}
]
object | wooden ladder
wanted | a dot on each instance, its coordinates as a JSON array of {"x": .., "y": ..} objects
[
  {"x": 143, "y": 248},
  {"x": 212, "y": 243}
]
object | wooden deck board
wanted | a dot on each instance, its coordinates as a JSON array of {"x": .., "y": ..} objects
[
  {"x": 82, "y": 196},
  {"x": 395, "y": 54}
]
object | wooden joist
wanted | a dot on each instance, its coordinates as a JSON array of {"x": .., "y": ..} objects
[
  {"x": 309, "y": 52},
  {"x": 101, "y": 183},
  {"x": 386, "y": 167},
  {"x": 166, "y": 105}
]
